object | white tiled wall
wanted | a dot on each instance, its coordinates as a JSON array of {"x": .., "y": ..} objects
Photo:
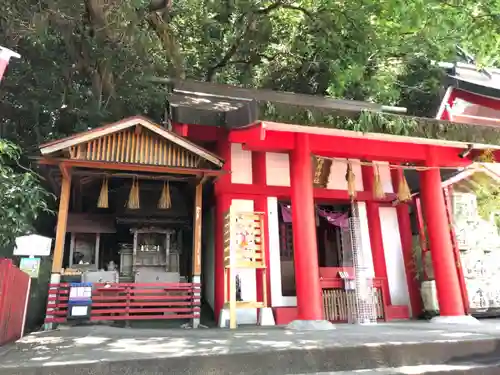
[
  {"x": 393, "y": 250},
  {"x": 241, "y": 165},
  {"x": 338, "y": 171},
  {"x": 278, "y": 174},
  {"x": 277, "y": 169}
]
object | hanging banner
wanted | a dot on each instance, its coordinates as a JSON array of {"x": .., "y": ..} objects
[
  {"x": 286, "y": 213},
  {"x": 337, "y": 219}
]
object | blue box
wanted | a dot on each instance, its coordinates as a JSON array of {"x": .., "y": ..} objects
[{"x": 80, "y": 301}]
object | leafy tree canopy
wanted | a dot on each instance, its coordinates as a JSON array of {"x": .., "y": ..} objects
[
  {"x": 22, "y": 198},
  {"x": 86, "y": 62}
]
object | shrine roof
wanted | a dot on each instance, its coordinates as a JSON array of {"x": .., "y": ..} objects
[
  {"x": 470, "y": 77},
  {"x": 232, "y": 107},
  {"x": 474, "y": 175},
  {"x": 462, "y": 179},
  {"x": 58, "y": 145}
]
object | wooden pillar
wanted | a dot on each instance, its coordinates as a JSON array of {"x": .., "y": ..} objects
[
  {"x": 97, "y": 247},
  {"x": 196, "y": 279},
  {"x": 62, "y": 220},
  {"x": 197, "y": 230},
  {"x": 72, "y": 249}
]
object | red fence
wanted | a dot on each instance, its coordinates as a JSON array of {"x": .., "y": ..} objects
[
  {"x": 14, "y": 292},
  {"x": 122, "y": 301}
]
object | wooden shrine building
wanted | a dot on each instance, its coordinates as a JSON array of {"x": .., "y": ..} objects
[
  {"x": 136, "y": 188},
  {"x": 332, "y": 181}
]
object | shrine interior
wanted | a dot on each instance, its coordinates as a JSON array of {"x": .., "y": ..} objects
[
  {"x": 145, "y": 241},
  {"x": 332, "y": 236}
]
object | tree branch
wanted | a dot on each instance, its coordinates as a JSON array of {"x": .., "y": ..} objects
[
  {"x": 158, "y": 16},
  {"x": 251, "y": 61},
  {"x": 230, "y": 52},
  {"x": 242, "y": 37},
  {"x": 163, "y": 32},
  {"x": 297, "y": 8}
]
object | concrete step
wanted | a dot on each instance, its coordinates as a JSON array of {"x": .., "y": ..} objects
[
  {"x": 445, "y": 357},
  {"x": 457, "y": 369}
]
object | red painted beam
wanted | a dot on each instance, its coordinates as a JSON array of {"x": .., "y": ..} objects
[
  {"x": 284, "y": 192},
  {"x": 273, "y": 142},
  {"x": 180, "y": 129},
  {"x": 341, "y": 147},
  {"x": 477, "y": 99},
  {"x": 202, "y": 133},
  {"x": 367, "y": 149},
  {"x": 254, "y": 133}
]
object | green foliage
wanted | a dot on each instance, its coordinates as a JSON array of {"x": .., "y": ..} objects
[
  {"x": 22, "y": 198},
  {"x": 384, "y": 123},
  {"x": 488, "y": 199},
  {"x": 87, "y": 62}
]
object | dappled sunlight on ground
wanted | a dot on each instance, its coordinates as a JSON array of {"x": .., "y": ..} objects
[{"x": 103, "y": 343}]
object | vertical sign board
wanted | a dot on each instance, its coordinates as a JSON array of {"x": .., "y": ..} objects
[
  {"x": 31, "y": 248},
  {"x": 31, "y": 266},
  {"x": 244, "y": 247}
]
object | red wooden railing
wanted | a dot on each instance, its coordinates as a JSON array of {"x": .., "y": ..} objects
[
  {"x": 124, "y": 301},
  {"x": 14, "y": 292}
]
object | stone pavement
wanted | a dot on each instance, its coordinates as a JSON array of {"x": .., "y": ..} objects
[{"x": 253, "y": 350}]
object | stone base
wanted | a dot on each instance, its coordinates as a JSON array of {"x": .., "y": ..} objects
[
  {"x": 55, "y": 278},
  {"x": 196, "y": 321},
  {"x": 460, "y": 319},
  {"x": 310, "y": 325},
  {"x": 265, "y": 317},
  {"x": 224, "y": 318}
]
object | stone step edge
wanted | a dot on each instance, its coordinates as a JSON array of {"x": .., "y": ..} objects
[
  {"x": 429, "y": 369},
  {"x": 354, "y": 359}
]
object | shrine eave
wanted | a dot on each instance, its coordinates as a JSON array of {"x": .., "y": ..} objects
[
  {"x": 333, "y": 142},
  {"x": 231, "y": 107},
  {"x": 471, "y": 78}
]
